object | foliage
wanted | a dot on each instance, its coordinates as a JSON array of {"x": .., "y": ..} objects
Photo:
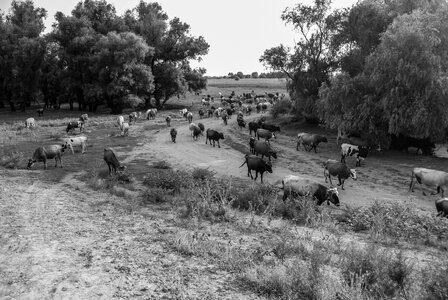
[
  {"x": 281, "y": 107},
  {"x": 436, "y": 281},
  {"x": 381, "y": 274},
  {"x": 256, "y": 198},
  {"x": 11, "y": 160},
  {"x": 167, "y": 179}
]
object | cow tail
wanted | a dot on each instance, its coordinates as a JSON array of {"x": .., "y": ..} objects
[
  {"x": 243, "y": 163},
  {"x": 412, "y": 181}
]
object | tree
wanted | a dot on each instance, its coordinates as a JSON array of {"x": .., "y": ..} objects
[
  {"x": 254, "y": 75},
  {"x": 313, "y": 58},
  {"x": 195, "y": 78},
  {"x": 173, "y": 44},
  {"x": 240, "y": 74},
  {"x": 22, "y": 53}
]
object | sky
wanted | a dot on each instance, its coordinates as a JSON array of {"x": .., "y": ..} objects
[{"x": 238, "y": 31}]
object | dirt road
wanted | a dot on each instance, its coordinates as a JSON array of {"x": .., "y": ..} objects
[{"x": 375, "y": 183}]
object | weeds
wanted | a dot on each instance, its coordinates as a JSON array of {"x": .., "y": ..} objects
[{"x": 11, "y": 160}]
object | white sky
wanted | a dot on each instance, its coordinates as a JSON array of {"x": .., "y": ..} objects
[{"x": 238, "y": 31}]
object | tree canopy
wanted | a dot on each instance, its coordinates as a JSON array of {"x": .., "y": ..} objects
[{"x": 94, "y": 57}]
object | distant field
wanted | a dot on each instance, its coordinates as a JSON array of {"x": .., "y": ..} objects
[{"x": 259, "y": 85}]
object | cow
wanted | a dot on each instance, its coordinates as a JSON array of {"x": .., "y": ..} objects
[
  {"x": 202, "y": 127},
  {"x": 351, "y": 150},
  {"x": 49, "y": 152},
  {"x": 72, "y": 125},
  {"x": 133, "y": 116},
  {"x": 310, "y": 140},
  {"x": 201, "y": 113},
  {"x": 168, "y": 121},
  {"x": 173, "y": 134},
  {"x": 403, "y": 142},
  {"x": 120, "y": 121},
  {"x": 241, "y": 122},
  {"x": 293, "y": 185},
  {"x": 151, "y": 114},
  {"x": 341, "y": 170},
  {"x": 77, "y": 143},
  {"x": 30, "y": 123},
  {"x": 183, "y": 112},
  {"x": 253, "y": 126},
  {"x": 83, "y": 119},
  {"x": 125, "y": 129},
  {"x": 265, "y": 134},
  {"x": 442, "y": 207},
  {"x": 270, "y": 127},
  {"x": 111, "y": 160},
  {"x": 430, "y": 178},
  {"x": 40, "y": 112},
  {"x": 263, "y": 148},
  {"x": 213, "y": 135},
  {"x": 190, "y": 117},
  {"x": 252, "y": 145},
  {"x": 224, "y": 118},
  {"x": 258, "y": 165}
]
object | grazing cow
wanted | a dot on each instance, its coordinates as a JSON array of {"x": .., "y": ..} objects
[
  {"x": 264, "y": 107},
  {"x": 430, "y": 178},
  {"x": 40, "y": 112},
  {"x": 265, "y": 134},
  {"x": 350, "y": 150},
  {"x": 258, "y": 165},
  {"x": 48, "y": 152},
  {"x": 341, "y": 170},
  {"x": 241, "y": 122},
  {"x": 403, "y": 142},
  {"x": 264, "y": 149},
  {"x": 168, "y": 121},
  {"x": 258, "y": 107},
  {"x": 30, "y": 123},
  {"x": 173, "y": 134},
  {"x": 442, "y": 207},
  {"x": 210, "y": 113},
  {"x": 125, "y": 129},
  {"x": 133, "y": 116},
  {"x": 213, "y": 135},
  {"x": 151, "y": 114},
  {"x": 112, "y": 162},
  {"x": 253, "y": 126},
  {"x": 310, "y": 140},
  {"x": 190, "y": 117},
  {"x": 77, "y": 143},
  {"x": 202, "y": 127},
  {"x": 252, "y": 145},
  {"x": 72, "y": 125},
  {"x": 270, "y": 127},
  {"x": 196, "y": 132},
  {"x": 298, "y": 186}
]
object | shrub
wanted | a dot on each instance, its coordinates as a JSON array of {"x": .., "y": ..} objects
[
  {"x": 161, "y": 164},
  {"x": 202, "y": 174},
  {"x": 257, "y": 197},
  {"x": 167, "y": 179},
  {"x": 12, "y": 160},
  {"x": 302, "y": 211},
  {"x": 379, "y": 273},
  {"x": 154, "y": 195},
  {"x": 281, "y": 107},
  {"x": 436, "y": 282}
]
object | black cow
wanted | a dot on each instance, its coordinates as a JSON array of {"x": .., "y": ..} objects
[
  {"x": 258, "y": 165},
  {"x": 270, "y": 127},
  {"x": 72, "y": 125},
  {"x": 403, "y": 142},
  {"x": 214, "y": 136},
  {"x": 253, "y": 126}
]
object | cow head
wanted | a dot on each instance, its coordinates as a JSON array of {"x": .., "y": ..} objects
[
  {"x": 221, "y": 135},
  {"x": 273, "y": 153},
  {"x": 333, "y": 196},
  {"x": 69, "y": 146},
  {"x": 252, "y": 141},
  {"x": 31, "y": 162},
  {"x": 274, "y": 135},
  {"x": 323, "y": 139},
  {"x": 268, "y": 166},
  {"x": 353, "y": 174}
]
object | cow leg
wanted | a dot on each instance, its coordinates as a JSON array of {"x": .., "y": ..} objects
[
  {"x": 56, "y": 161},
  {"x": 45, "y": 163},
  {"x": 219, "y": 146},
  {"x": 261, "y": 177},
  {"x": 297, "y": 148},
  {"x": 438, "y": 191},
  {"x": 315, "y": 146},
  {"x": 110, "y": 169}
]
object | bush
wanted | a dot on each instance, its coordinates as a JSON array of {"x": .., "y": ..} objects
[
  {"x": 302, "y": 211},
  {"x": 380, "y": 274},
  {"x": 162, "y": 164},
  {"x": 257, "y": 197},
  {"x": 436, "y": 282},
  {"x": 167, "y": 179},
  {"x": 202, "y": 174},
  {"x": 12, "y": 160},
  {"x": 281, "y": 107},
  {"x": 154, "y": 195}
]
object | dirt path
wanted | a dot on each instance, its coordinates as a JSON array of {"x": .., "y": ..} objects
[{"x": 374, "y": 182}]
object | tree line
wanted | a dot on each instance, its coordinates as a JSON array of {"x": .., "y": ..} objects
[
  {"x": 378, "y": 67},
  {"x": 94, "y": 57}
]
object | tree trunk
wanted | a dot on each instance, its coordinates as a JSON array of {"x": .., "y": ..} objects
[
  {"x": 71, "y": 103},
  {"x": 12, "y": 106}
]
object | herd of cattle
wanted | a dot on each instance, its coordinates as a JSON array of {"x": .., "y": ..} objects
[{"x": 292, "y": 184}]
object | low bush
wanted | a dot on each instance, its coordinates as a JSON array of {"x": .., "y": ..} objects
[
  {"x": 302, "y": 211},
  {"x": 380, "y": 274},
  {"x": 154, "y": 195},
  {"x": 162, "y": 164},
  {"x": 281, "y": 107},
  {"x": 202, "y": 174},
  {"x": 257, "y": 198},
  {"x": 436, "y": 281},
  {"x": 167, "y": 179}
]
